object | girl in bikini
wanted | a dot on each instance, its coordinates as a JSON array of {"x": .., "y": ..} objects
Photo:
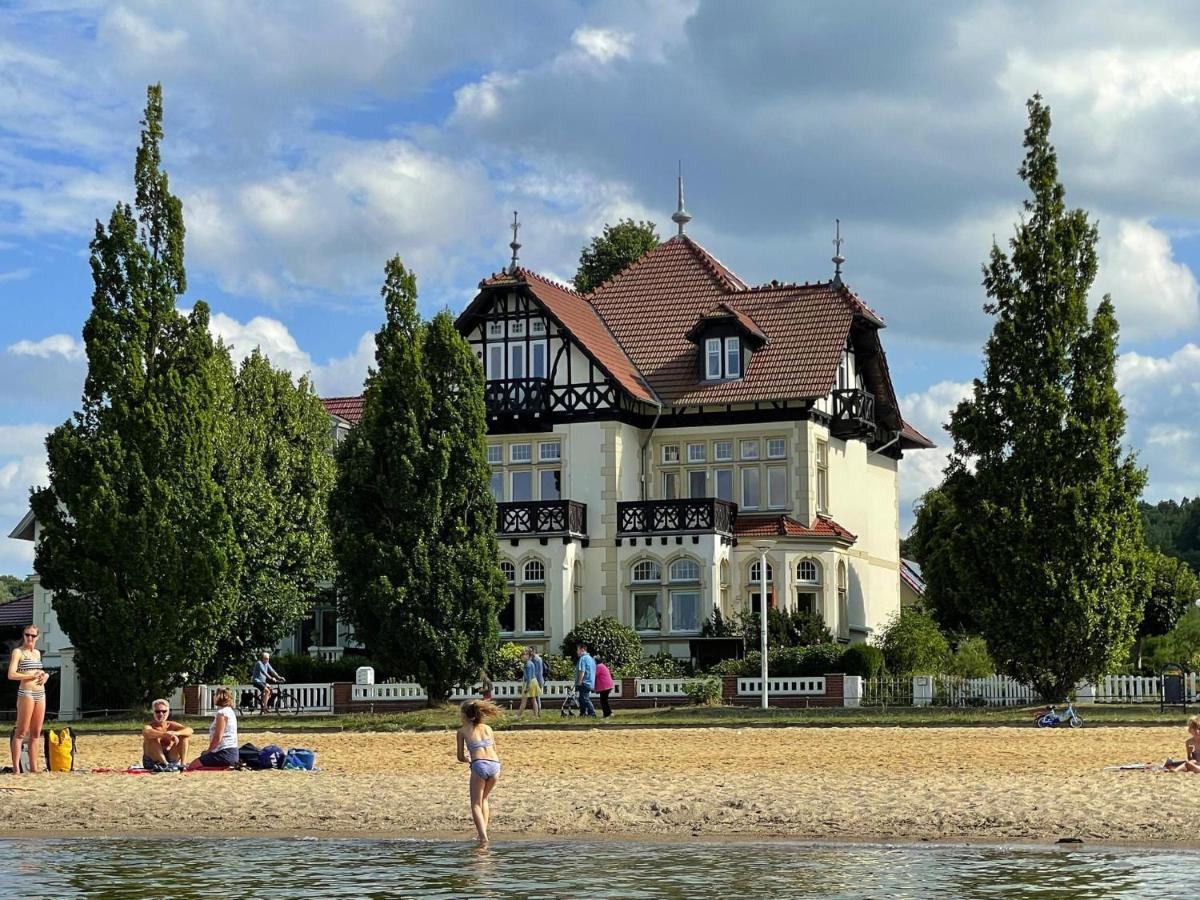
[
  {"x": 1191, "y": 761},
  {"x": 25, "y": 667},
  {"x": 477, "y": 746}
]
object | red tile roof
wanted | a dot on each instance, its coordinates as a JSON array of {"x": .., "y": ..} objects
[
  {"x": 725, "y": 311},
  {"x": 910, "y": 437},
  {"x": 786, "y": 526},
  {"x": 348, "y": 408}
]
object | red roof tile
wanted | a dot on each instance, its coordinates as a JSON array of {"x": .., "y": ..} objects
[
  {"x": 786, "y": 526},
  {"x": 725, "y": 311},
  {"x": 348, "y": 408},
  {"x": 910, "y": 437}
]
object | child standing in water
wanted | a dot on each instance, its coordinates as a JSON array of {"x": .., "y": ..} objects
[{"x": 477, "y": 746}]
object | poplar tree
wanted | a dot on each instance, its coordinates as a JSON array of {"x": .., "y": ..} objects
[
  {"x": 412, "y": 516},
  {"x": 276, "y": 469},
  {"x": 136, "y": 542},
  {"x": 1046, "y": 530}
]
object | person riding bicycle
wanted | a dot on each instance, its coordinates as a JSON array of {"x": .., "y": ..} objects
[{"x": 263, "y": 676}]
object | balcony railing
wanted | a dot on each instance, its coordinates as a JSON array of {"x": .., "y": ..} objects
[
  {"x": 541, "y": 518},
  {"x": 704, "y": 516},
  {"x": 517, "y": 396},
  {"x": 853, "y": 414}
]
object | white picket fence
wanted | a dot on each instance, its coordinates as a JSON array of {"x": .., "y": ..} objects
[
  {"x": 502, "y": 691},
  {"x": 995, "y": 690},
  {"x": 313, "y": 699},
  {"x": 1134, "y": 689},
  {"x": 782, "y": 687}
]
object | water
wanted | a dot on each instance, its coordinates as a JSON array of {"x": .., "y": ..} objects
[{"x": 321, "y": 868}]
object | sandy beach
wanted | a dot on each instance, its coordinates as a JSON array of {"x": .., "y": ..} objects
[{"x": 905, "y": 784}]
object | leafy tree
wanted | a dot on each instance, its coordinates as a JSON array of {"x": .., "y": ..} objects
[
  {"x": 12, "y": 587},
  {"x": 1046, "y": 536},
  {"x": 137, "y": 544},
  {"x": 1174, "y": 528},
  {"x": 933, "y": 544},
  {"x": 618, "y": 644},
  {"x": 913, "y": 645},
  {"x": 864, "y": 660},
  {"x": 971, "y": 659},
  {"x": 412, "y": 515},
  {"x": 1174, "y": 588},
  {"x": 276, "y": 471},
  {"x": 620, "y": 246}
]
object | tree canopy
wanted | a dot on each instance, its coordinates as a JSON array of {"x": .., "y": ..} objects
[
  {"x": 1041, "y": 530},
  {"x": 617, "y": 248},
  {"x": 412, "y": 514},
  {"x": 1174, "y": 528}
]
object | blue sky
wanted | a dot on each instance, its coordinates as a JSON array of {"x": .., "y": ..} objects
[{"x": 311, "y": 142}]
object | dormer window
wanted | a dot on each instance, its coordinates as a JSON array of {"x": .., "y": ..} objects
[
  {"x": 725, "y": 338},
  {"x": 712, "y": 355},
  {"x": 733, "y": 357}
]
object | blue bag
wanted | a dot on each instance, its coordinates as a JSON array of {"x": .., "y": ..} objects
[{"x": 271, "y": 757}]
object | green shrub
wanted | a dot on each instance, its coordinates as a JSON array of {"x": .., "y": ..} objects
[
  {"x": 661, "y": 665},
  {"x": 618, "y": 645},
  {"x": 863, "y": 660},
  {"x": 559, "y": 668},
  {"x": 506, "y": 663},
  {"x": 971, "y": 659},
  {"x": 717, "y": 625},
  {"x": 729, "y": 667},
  {"x": 793, "y": 662},
  {"x": 300, "y": 668},
  {"x": 795, "y": 628},
  {"x": 913, "y": 645},
  {"x": 706, "y": 692}
]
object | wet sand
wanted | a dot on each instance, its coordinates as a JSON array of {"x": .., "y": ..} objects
[{"x": 871, "y": 784}]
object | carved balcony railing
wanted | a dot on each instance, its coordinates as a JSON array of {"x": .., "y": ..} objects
[
  {"x": 853, "y": 414},
  {"x": 704, "y": 516},
  {"x": 541, "y": 518},
  {"x": 517, "y": 396}
]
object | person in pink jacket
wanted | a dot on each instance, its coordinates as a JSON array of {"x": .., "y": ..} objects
[{"x": 604, "y": 685}]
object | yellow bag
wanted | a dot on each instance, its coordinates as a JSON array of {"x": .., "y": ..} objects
[{"x": 60, "y": 750}]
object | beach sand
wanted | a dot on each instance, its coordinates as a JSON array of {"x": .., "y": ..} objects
[{"x": 905, "y": 784}]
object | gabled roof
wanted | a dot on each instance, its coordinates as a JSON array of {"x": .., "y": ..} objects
[
  {"x": 723, "y": 312},
  {"x": 348, "y": 408},
  {"x": 822, "y": 528},
  {"x": 910, "y": 574},
  {"x": 25, "y": 528},
  {"x": 574, "y": 314},
  {"x": 911, "y": 439}
]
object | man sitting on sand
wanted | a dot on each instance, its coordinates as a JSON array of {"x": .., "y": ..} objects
[{"x": 164, "y": 743}]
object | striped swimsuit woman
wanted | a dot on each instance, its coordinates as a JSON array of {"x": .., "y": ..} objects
[{"x": 29, "y": 688}]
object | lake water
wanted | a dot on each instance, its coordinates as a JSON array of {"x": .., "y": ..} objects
[{"x": 323, "y": 868}]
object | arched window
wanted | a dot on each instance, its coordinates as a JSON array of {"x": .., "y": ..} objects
[
  {"x": 533, "y": 597},
  {"x": 534, "y": 572},
  {"x": 646, "y": 571},
  {"x": 807, "y": 572},
  {"x": 843, "y": 625},
  {"x": 684, "y": 570},
  {"x": 509, "y": 570},
  {"x": 808, "y": 586},
  {"x": 756, "y": 572}
]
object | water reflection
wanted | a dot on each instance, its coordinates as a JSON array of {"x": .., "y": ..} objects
[{"x": 319, "y": 868}]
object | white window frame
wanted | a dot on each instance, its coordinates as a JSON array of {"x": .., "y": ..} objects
[
  {"x": 497, "y": 480},
  {"x": 749, "y": 443},
  {"x": 509, "y": 569},
  {"x": 754, "y": 578},
  {"x": 683, "y": 561},
  {"x": 745, "y": 473},
  {"x": 525, "y": 595},
  {"x": 801, "y": 578},
  {"x": 822, "y": 468},
  {"x": 541, "y": 474},
  {"x": 516, "y": 328},
  {"x": 652, "y": 571},
  {"x": 712, "y": 359},
  {"x": 718, "y": 456},
  {"x": 733, "y": 357},
  {"x": 536, "y": 347},
  {"x": 670, "y": 459},
  {"x": 697, "y": 453},
  {"x": 782, "y": 445},
  {"x": 495, "y": 328},
  {"x": 495, "y": 362},
  {"x": 536, "y": 578},
  {"x": 537, "y": 326},
  {"x": 512, "y": 492},
  {"x": 673, "y": 476},
  {"x": 704, "y": 490},
  {"x": 658, "y": 609},
  {"x": 554, "y": 448},
  {"x": 516, "y": 354},
  {"x": 781, "y": 473},
  {"x": 729, "y": 470},
  {"x": 512, "y": 453},
  {"x": 499, "y": 454},
  {"x": 673, "y": 598}
]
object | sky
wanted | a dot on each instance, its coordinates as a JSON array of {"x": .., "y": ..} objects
[{"x": 310, "y": 142}]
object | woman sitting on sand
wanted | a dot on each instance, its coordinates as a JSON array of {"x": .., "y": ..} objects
[
  {"x": 222, "y": 749},
  {"x": 477, "y": 746},
  {"x": 1191, "y": 760}
]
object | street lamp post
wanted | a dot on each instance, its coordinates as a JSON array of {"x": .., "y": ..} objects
[{"x": 762, "y": 547}]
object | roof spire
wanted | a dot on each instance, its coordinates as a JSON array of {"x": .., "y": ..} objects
[
  {"x": 681, "y": 217},
  {"x": 838, "y": 259},
  {"x": 516, "y": 245}
]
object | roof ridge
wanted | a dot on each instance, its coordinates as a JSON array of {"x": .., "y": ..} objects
[
  {"x": 856, "y": 303},
  {"x": 726, "y": 277},
  {"x": 562, "y": 286},
  {"x": 783, "y": 285}
]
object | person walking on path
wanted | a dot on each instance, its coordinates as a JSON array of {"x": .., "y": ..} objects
[
  {"x": 541, "y": 667},
  {"x": 25, "y": 668},
  {"x": 604, "y": 685},
  {"x": 585, "y": 679},
  {"x": 477, "y": 747},
  {"x": 530, "y": 689}
]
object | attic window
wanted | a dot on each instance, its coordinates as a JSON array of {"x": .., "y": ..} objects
[
  {"x": 733, "y": 357},
  {"x": 722, "y": 358},
  {"x": 712, "y": 355}
]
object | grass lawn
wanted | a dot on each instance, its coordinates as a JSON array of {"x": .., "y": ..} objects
[{"x": 678, "y": 716}]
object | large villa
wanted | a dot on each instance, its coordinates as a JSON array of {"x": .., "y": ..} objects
[{"x": 646, "y": 439}]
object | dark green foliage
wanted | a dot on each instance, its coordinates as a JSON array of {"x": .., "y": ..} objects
[
  {"x": 660, "y": 665},
  {"x": 791, "y": 628},
  {"x": 1173, "y": 589},
  {"x": 137, "y": 544},
  {"x": 913, "y": 645},
  {"x": 863, "y": 660},
  {"x": 300, "y": 668},
  {"x": 788, "y": 662},
  {"x": 617, "y": 644},
  {"x": 620, "y": 246},
  {"x": 1043, "y": 532},
  {"x": 716, "y": 625},
  {"x": 559, "y": 668},
  {"x": 412, "y": 516},
  {"x": 706, "y": 692},
  {"x": 505, "y": 663},
  {"x": 12, "y": 587},
  {"x": 1181, "y": 645},
  {"x": 971, "y": 659},
  {"x": 1174, "y": 529},
  {"x": 276, "y": 471},
  {"x": 933, "y": 544}
]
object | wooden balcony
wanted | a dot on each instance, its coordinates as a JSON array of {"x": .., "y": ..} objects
[
  {"x": 518, "y": 397},
  {"x": 541, "y": 519},
  {"x": 853, "y": 414},
  {"x": 676, "y": 517}
]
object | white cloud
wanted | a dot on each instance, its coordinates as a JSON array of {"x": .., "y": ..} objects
[
  {"x": 16, "y": 274},
  {"x": 929, "y": 412},
  {"x": 55, "y": 345},
  {"x": 602, "y": 44},
  {"x": 22, "y": 466},
  {"x": 1154, "y": 295}
]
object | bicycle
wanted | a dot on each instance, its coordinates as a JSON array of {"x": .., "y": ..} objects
[
  {"x": 282, "y": 702},
  {"x": 1055, "y": 719}
]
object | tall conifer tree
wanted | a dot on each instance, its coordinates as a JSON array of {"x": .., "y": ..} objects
[
  {"x": 412, "y": 516},
  {"x": 136, "y": 542},
  {"x": 1045, "y": 529}
]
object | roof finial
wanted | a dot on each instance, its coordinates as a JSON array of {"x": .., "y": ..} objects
[
  {"x": 516, "y": 245},
  {"x": 838, "y": 259},
  {"x": 680, "y": 216}
]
